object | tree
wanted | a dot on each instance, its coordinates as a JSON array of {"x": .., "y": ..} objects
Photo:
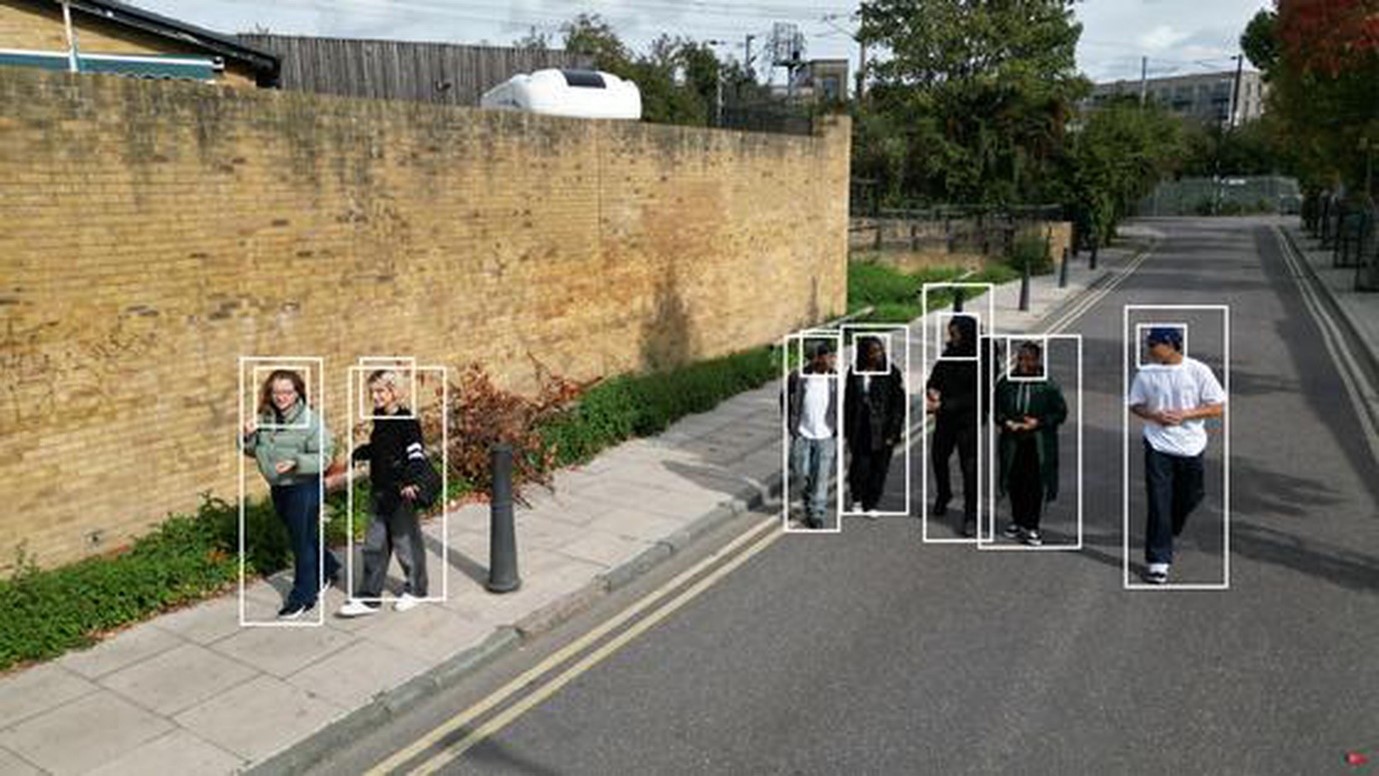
[
  {"x": 1325, "y": 89},
  {"x": 1121, "y": 152},
  {"x": 995, "y": 80},
  {"x": 1260, "y": 44}
]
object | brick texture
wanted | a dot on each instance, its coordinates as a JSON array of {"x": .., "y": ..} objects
[{"x": 151, "y": 233}]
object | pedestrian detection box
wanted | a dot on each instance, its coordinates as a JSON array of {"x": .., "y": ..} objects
[{"x": 586, "y": 94}]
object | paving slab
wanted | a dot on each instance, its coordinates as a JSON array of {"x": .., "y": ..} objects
[
  {"x": 12, "y": 764},
  {"x": 84, "y": 734},
  {"x": 203, "y": 623},
  {"x": 259, "y": 718},
  {"x": 429, "y": 632},
  {"x": 30, "y": 692},
  {"x": 178, "y": 679},
  {"x": 282, "y": 651},
  {"x": 177, "y": 752},
  {"x": 126, "y": 648},
  {"x": 355, "y": 675}
]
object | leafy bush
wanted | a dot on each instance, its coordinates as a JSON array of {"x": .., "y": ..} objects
[
  {"x": 1032, "y": 249},
  {"x": 641, "y": 405}
]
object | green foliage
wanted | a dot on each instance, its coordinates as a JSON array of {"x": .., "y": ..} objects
[
  {"x": 1032, "y": 249},
  {"x": 1322, "y": 64},
  {"x": 1122, "y": 150},
  {"x": 971, "y": 104},
  {"x": 895, "y": 296},
  {"x": 641, "y": 405}
]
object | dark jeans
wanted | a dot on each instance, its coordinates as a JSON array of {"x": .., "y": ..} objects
[
  {"x": 299, "y": 507},
  {"x": 949, "y": 433},
  {"x": 1026, "y": 485},
  {"x": 1175, "y": 487},
  {"x": 400, "y": 533}
]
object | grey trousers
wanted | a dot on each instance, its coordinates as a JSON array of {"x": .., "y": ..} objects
[{"x": 399, "y": 532}]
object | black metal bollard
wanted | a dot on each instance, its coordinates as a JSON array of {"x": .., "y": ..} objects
[
  {"x": 957, "y": 299},
  {"x": 502, "y": 532},
  {"x": 1024, "y": 288},
  {"x": 1092, "y": 262},
  {"x": 1063, "y": 271}
]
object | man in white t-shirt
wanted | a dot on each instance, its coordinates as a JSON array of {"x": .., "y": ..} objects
[
  {"x": 1174, "y": 395},
  {"x": 811, "y": 409}
]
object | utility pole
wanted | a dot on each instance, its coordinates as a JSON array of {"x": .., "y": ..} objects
[
  {"x": 1235, "y": 90},
  {"x": 1144, "y": 80},
  {"x": 861, "y": 69},
  {"x": 747, "y": 57}
]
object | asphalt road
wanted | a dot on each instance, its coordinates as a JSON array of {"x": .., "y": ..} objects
[{"x": 870, "y": 652}]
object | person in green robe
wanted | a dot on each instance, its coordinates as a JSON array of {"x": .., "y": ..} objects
[{"x": 1029, "y": 412}]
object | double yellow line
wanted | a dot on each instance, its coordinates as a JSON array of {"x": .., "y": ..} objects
[
  {"x": 665, "y": 601},
  {"x": 717, "y": 565}
]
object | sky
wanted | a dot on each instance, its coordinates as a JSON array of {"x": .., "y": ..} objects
[{"x": 1178, "y": 36}]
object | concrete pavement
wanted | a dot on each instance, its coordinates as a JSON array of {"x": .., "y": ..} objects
[{"x": 194, "y": 692}]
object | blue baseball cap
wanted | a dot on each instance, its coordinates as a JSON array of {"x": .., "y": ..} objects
[{"x": 1168, "y": 335}]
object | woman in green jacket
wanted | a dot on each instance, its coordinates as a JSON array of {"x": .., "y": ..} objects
[
  {"x": 291, "y": 445},
  {"x": 1029, "y": 412}
]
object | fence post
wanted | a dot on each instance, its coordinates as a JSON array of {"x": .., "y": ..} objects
[
  {"x": 502, "y": 535},
  {"x": 878, "y": 234},
  {"x": 914, "y": 237},
  {"x": 1063, "y": 270}
]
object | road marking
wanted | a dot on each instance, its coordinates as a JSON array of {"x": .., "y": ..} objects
[
  {"x": 1352, "y": 376},
  {"x": 498, "y": 722},
  {"x": 531, "y": 675},
  {"x": 563, "y": 655}
]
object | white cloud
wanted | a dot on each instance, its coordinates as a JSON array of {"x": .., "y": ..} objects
[{"x": 1162, "y": 37}]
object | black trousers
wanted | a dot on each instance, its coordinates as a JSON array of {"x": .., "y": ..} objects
[
  {"x": 1026, "y": 485},
  {"x": 948, "y": 434},
  {"x": 867, "y": 470},
  {"x": 1174, "y": 484}
]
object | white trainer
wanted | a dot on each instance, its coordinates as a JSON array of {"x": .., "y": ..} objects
[
  {"x": 405, "y": 602},
  {"x": 356, "y": 608}
]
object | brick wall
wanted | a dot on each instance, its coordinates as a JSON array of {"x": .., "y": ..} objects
[{"x": 153, "y": 232}]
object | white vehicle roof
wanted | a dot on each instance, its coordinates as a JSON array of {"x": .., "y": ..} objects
[{"x": 588, "y": 94}]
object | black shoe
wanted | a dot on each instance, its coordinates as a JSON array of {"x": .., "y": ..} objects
[
  {"x": 969, "y": 527},
  {"x": 940, "y": 508},
  {"x": 294, "y": 611}
]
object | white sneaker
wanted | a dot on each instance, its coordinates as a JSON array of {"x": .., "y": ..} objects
[
  {"x": 356, "y": 608},
  {"x": 405, "y": 602}
]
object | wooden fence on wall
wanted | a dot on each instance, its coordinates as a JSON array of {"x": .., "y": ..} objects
[{"x": 445, "y": 73}]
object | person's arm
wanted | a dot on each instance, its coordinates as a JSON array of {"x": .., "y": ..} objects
[
  {"x": 316, "y": 448},
  {"x": 414, "y": 456},
  {"x": 1057, "y": 411},
  {"x": 1211, "y": 397},
  {"x": 249, "y": 439},
  {"x": 1138, "y": 401}
]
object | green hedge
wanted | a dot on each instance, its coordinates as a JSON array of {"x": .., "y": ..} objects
[
  {"x": 895, "y": 295},
  {"x": 643, "y": 405}
]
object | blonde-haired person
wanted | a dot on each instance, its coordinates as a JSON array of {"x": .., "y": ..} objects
[
  {"x": 291, "y": 445},
  {"x": 394, "y": 442}
]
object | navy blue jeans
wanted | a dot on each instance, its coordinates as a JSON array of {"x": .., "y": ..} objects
[
  {"x": 299, "y": 507},
  {"x": 1175, "y": 488}
]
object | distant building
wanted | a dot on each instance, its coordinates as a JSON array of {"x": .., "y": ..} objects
[
  {"x": 111, "y": 37},
  {"x": 1205, "y": 97},
  {"x": 818, "y": 80},
  {"x": 445, "y": 73}
]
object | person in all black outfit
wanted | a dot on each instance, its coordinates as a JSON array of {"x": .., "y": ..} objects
[
  {"x": 394, "y": 445},
  {"x": 873, "y": 421},
  {"x": 951, "y": 396}
]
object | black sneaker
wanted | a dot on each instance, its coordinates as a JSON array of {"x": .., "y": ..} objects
[
  {"x": 1012, "y": 530},
  {"x": 1032, "y": 538},
  {"x": 969, "y": 527},
  {"x": 940, "y": 509},
  {"x": 294, "y": 611}
]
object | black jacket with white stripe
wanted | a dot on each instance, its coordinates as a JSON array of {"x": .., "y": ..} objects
[{"x": 394, "y": 442}]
